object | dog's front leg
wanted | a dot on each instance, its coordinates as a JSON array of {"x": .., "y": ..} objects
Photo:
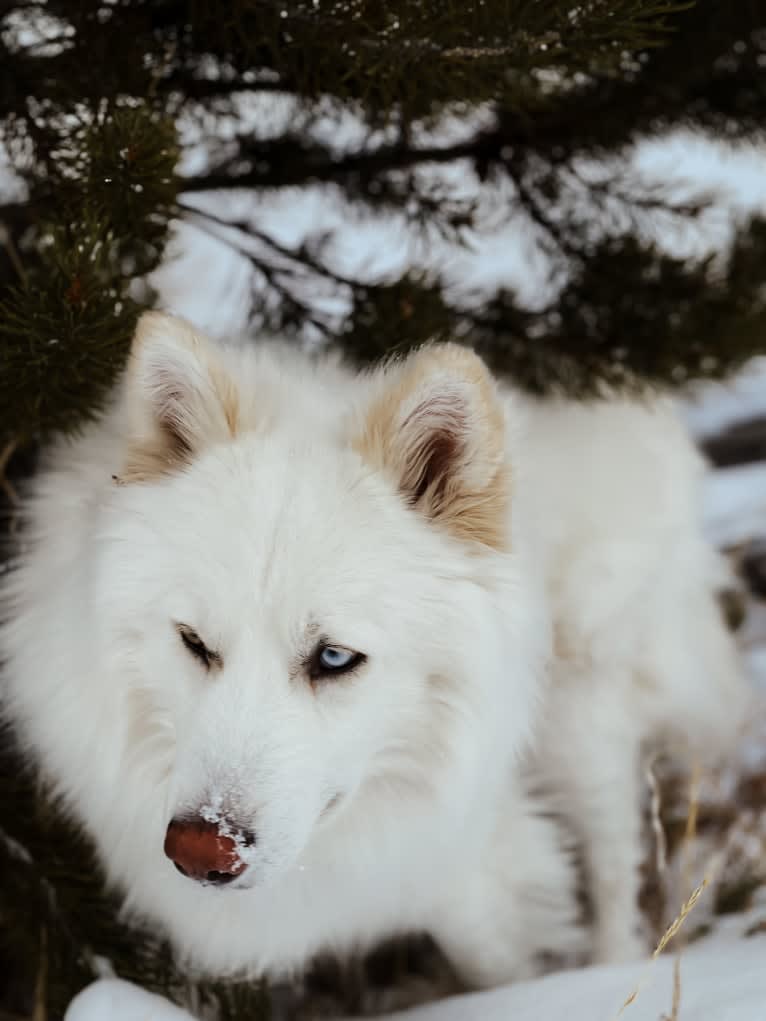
[
  {"x": 590, "y": 751},
  {"x": 514, "y": 909}
]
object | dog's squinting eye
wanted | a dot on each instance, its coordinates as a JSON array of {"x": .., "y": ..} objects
[
  {"x": 332, "y": 660},
  {"x": 197, "y": 647}
]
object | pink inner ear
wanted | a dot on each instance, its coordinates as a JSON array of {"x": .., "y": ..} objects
[
  {"x": 441, "y": 451},
  {"x": 438, "y": 424},
  {"x": 169, "y": 398}
]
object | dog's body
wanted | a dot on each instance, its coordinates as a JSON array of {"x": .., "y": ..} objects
[
  {"x": 643, "y": 663},
  {"x": 170, "y": 631}
]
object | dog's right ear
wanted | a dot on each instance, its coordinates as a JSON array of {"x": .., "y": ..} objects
[
  {"x": 180, "y": 397},
  {"x": 436, "y": 428}
]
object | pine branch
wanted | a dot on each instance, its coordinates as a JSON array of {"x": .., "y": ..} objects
[{"x": 274, "y": 164}]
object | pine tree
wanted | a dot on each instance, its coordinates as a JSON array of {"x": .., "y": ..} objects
[
  {"x": 100, "y": 98},
  {"x": 90, "y": 94}
]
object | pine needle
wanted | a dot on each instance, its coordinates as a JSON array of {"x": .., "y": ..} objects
[{"x": 5, "y": 484}]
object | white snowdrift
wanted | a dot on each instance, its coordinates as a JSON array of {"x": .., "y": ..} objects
[
  {"x": 722, "y": 979},
  {"x": 111, "y": 999},
  {"x": 719, "y": 982},
  {"x": 735, "y": 504}
]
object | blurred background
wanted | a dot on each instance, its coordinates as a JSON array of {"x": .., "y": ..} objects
[{"x": 576, "y": 190}]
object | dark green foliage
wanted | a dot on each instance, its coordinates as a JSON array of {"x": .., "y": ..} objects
[
  {"x": 619, "y": 310},
  {"x": 418, "y": 53},
  {"x": 100, "y": 205},
  {"x": 603, "y": 334},
  {"x": 88, "y": 97},
  {"x": 600, "y": 335},
  {"x": 412, "y": 309},
  {"x": 61, "y": 342}
]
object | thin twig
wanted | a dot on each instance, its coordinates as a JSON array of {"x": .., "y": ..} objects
[
  {"x": 369, "y": 164},
  {"x": 5, "y": 483},
  {"x": 298, "y": 256},
  {"x": 655, "y": 807},
  {"x": 40, "y": 1011},
  {"x": 6, "y": 239}
]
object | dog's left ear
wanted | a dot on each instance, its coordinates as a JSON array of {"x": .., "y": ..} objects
[{"x": 436, "y": 427}]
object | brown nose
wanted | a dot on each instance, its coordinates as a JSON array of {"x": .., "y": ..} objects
[{"x": 200, "y": 851}]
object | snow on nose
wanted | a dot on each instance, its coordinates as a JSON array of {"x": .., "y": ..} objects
[{"x": 206, "y": 851}]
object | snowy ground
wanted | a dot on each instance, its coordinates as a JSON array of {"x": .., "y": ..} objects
[{"x": 723, "y": 979}]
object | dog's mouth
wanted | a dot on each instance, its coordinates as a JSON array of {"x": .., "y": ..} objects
[{"x": 214, "y": 878}]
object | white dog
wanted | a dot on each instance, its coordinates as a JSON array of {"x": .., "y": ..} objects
[{"x": 279, "y": 639}]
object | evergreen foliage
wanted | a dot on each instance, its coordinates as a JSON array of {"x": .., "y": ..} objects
[{"x": 90, "y": 93}]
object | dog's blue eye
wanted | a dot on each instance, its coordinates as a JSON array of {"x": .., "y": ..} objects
[{"x": 331, "y": 660}]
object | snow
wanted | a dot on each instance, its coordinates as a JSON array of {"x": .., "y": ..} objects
[
  {"x": 722, "y": 979},
  {"x": 735, "y": 504},
  {"x": 711, "y": 408},
  {"x": 112, "y": 999},
  {"x": 711, "y": 990}
]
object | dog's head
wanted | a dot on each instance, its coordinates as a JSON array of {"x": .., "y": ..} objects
[{"x": 304, "y": 578}]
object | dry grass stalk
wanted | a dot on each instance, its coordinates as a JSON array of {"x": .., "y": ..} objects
[
  {"x": 688, "y": 906},
  {"x": 675, "y": 1006},
  {"x": 658, "y": 830}
]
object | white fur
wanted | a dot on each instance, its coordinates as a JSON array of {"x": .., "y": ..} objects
[
  {"x": 643, "y": 663},
  {"x": 284, "y": 531}
]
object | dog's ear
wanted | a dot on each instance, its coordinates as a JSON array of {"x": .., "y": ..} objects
[
  {"x": 436, "y": 426},
  {"x": 180, "y": 397}
]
